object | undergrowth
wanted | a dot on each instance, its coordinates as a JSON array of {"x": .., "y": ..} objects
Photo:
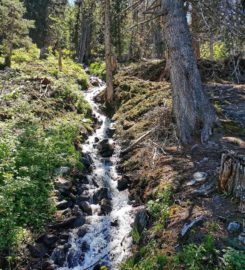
[{"x": 41, "y": 118}]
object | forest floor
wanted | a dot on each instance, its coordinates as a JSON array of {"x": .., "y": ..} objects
[{"x": 160, "y": 174}]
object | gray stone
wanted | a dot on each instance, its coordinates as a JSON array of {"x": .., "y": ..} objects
[
  {"x": 122, "y": 184},
  {"x": 106, "y": 148},
  {"x": 102, "y": 193},
  {"x": 62, "y": 171},
  {"x": 200, "y": 176},
  {"x": 234, "y": 227},
  {"x": 86, "y": 208},
  {"x": 141, "y": 220},
  {"x": 62, "y": 205},
  {"x": 188, "y": 226},
  {"x": 106, "y": 206},
  {"x": 63, "y": 184},
  {"x": 37, "y": 251},
  {"x": 82, "y": 231}
]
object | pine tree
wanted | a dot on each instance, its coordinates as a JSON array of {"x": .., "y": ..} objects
[
  {"x": 37, "y": 10},
  {"x": 14, "y": 28}
]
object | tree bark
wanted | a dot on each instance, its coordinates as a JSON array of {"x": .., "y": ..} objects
[
  {"x": 109, "y": 95},
  {"x": 192, "y": 110},
  {"x": 8, "y": 57},
  {"x": 60, "y": 59},
  {"x": 232, "y": 177}
]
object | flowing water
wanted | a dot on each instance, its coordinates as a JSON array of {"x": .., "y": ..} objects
[{"x": 108, "y": 241}]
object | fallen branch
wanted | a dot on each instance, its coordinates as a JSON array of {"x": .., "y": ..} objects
[{"x": 126, "y": 150}]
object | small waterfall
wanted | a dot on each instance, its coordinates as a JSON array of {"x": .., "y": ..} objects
[{"x": 105, "y": 238}]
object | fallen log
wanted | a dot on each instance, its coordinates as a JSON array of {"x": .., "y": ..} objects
[
  {"x": 232, "y": 177},
  {"x": 140, "y": 139}
]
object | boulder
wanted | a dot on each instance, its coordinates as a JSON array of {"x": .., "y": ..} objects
[
  {"x": 141, "y": 220},
  {"x": 82, "y": 198},
  {"x": 102, "y": 193},
  {"x": 82, "y": 231},
  {"x": 87, "y": 162},
  {"x": 69, "y": 223},
  {"x": 234, "y": 227},
  {"x": 37, "y": 250},
  {"x": 49, "y": 265},
  {"x": 85, "y": 247},
  {"x": 106, "y": 206},
  {"x": 59, "y": 256},
  {"x": 62, "y": 184},
  {"x": 106, "y": 148},
  {"x": 63, "y": 205},
  {"x": 123, "y": 184},
  {"x": 86, "y": 208},
  {"x": 95, "y": 81},
  {"x": 50, "y": 240},
  {"x": 62, "y": 171},
  {"x": 80, "y": 221},
  {"x": 110, "y": 132}
]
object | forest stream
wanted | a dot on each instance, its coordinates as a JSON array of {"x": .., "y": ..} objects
[{"x": 105, "y": 238}]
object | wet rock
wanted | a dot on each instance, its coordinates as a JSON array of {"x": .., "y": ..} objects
[
  {"x": 141, "y": 220},
  {"x": 63, "y": 205},
  {"x": 86, "y": 208},
  {"x": 72, "y": 258},
  {"x": 71, "y": 222},
  {"x": 102, "y": 193},
  {"x": 62, "y": 171},
  {"x": 123, "y": 184},
  {"x": 67, "y": 246},
  {"x": 106, "y": 206},
  {"x": 85, "y": 247},
  {"x": 49, "y": 265},
  {"x": 82, "y": 198},
  {"x": 82, "y": 231},
  {"x": 241, "y": 238},
  {"x": 95, "y": 81},
  {"x": 110, "y": 132},
  {"x": 50, "y": 239},
  {"x": 200, "y": 176},
  {"x": 64, "y": 236},
  {"x": 106, "y": 148},
  {"x": 37, "y": 251},
  {"x": 234, "y": 227},
  {"x": 96, "y": 139},
  {"x": 87, "y": 162},
  {"x": 115, "y": 223},
  {"x": 80, "y": 221},
  {"x": 187, "y": 227},
  {"x": 62, "y": 184},
  {"x": 59, "y": 256}
]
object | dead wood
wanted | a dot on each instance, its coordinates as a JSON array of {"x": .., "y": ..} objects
[{"x": 232, "y": 177}]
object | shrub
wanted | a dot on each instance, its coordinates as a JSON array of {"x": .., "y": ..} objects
[
  {"x": 23, "y": 55},
  {"x": 98, "y": 69}
]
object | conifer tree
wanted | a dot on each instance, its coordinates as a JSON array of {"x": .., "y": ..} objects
[{"x": 14, "y": 28}]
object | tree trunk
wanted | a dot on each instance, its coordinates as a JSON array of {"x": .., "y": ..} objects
[
  {"x": 192, "y": 109},
  {"x": 60, "y": 59},
  {"x": 8, "y": 58},
  {"x": 108, "y": 56},
  {"x": 211, "y": 47},
  {"x": 232, "y": 177}
]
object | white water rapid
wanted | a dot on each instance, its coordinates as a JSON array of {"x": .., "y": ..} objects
[{"x": 107, "y": 241}]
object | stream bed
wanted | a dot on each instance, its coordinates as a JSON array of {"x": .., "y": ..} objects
[{"x": 104, "y": 239}]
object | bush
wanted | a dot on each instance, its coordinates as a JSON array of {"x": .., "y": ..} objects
[
  {"x": 23, "y": 55},
  {"x": 234, "y": 259},
  {"x": 98, "y": 69}
]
